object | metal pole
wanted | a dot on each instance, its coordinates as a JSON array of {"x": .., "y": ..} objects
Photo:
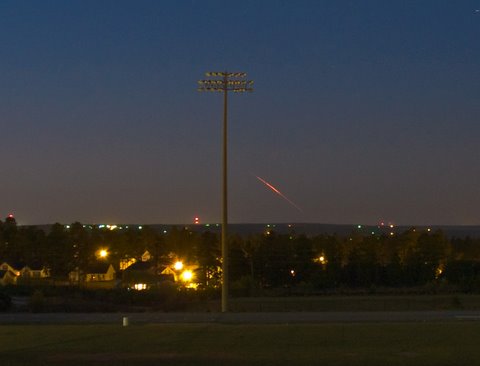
[
  {"x": 225, "y": 205},
  {"x": 225, "y": 82}
]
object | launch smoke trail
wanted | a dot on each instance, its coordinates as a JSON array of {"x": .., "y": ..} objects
[{"x": 279, "y": 193}]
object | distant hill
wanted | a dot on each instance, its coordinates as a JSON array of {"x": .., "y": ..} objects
[
  {"x": 309, "y": 229},
  {"x": 342, "y": 230}
]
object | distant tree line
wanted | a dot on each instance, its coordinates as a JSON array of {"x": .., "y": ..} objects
[
  {"x": 409, "y": 259},
  {"x": 260, "y": 261}
]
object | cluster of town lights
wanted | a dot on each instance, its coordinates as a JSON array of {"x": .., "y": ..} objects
[{"x": 186, "y": 275}]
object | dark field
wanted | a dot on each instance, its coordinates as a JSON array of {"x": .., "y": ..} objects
[
  {"x": 421, "y": 343},
  {"x": 373, "y": 330},
  {"x": 397, "y": 302}
]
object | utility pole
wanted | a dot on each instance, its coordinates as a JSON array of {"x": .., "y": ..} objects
[{"x": 225, "y": 82}]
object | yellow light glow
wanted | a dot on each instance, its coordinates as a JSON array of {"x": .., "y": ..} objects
[
  {"x": 127, "y": 262},
  {"x": 140, "y": 286},
  {"x": 187, "y": 276},
  {"x": 178, "y": 266},
  {"x": 322, "y": 260},
  {"x": 103, "y": 253}
]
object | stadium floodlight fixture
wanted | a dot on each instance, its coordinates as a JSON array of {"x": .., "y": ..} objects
[{"x": 224, "y": 82}]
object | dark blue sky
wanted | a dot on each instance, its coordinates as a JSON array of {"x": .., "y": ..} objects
[{"x": 363, "y": 111}]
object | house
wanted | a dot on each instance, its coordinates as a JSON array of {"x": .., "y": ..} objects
[
  {"x": 14, "y": 268},
  {"x": 99, "y": 272},
  {"x": 75, "y": 275},
  {"x": 143, "y": 275},
  {"x": 7, "y": 278},
  {"x": 168, "y": 271},
  {"x": 128, "y": 261},
  {"x": 35, "y": 270},
  {"x": 146, "y": 256}
]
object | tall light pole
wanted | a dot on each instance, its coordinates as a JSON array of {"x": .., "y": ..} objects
[{"x": 225, "y": 82}]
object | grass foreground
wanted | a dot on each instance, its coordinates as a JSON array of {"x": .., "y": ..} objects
[{"x": 442, "y": 343}]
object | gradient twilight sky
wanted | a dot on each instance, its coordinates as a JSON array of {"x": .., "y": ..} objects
[{"x": 362, "y": 111}]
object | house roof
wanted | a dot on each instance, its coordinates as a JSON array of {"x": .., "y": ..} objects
[
  {"x": 15, "y": 265},
  {"x": 3, "y": 273},
  {"x": 35, "y": 266},
  {"x": 141, "y": 266},
  {"x": 18, "y": 266},
  {"x": 98, "y": 268}
]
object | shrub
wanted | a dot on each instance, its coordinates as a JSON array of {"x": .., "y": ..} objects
[
  {"x": 456, "y": 303},
  {"x": 245, "y": 286},
  {"x": 5, "y": 301},
  {"x": 37, "y": 302}
]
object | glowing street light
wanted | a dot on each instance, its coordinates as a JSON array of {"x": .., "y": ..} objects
[
  {"x": 322, "y": 260},
  {"x": 225, "y": 82},
  {"x": 187, "y": 276},
  {"x": 178, "y": 266},
  {"x": 102, "y": 253}
]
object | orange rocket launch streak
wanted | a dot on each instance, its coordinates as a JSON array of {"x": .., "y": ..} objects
[{"x": 279, "y": 193}]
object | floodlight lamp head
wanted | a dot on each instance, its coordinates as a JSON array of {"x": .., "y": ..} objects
[
  {"x": 215, "y": 73},
  {"x": 237, "y": 74},
  {"x": 225, "y": 82}
]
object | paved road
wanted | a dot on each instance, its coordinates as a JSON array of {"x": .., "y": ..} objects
[{"x": 240, "y": 318}]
